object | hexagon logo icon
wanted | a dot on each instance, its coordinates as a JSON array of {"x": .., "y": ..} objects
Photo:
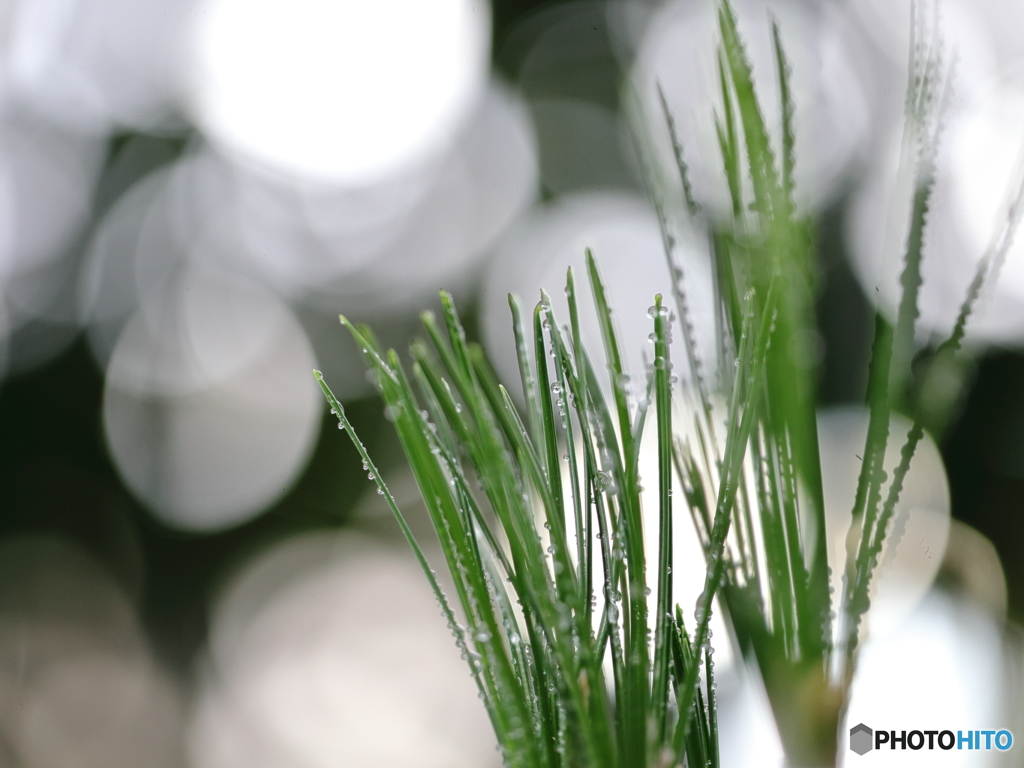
[{"x": 861, "y": 739}]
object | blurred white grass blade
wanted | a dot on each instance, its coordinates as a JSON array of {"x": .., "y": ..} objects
[
  {"x": 94, "y": 65},
  {"x": 917, "y": 539},
  {"x": 980, "y": 170},
  {"x": 832, "y": 111},
  {"x": 327, "y": 650},
  {"x": 623, "y": 233},
  {"x": 78, "y": 687},
  {"x": 209, "y": 410},
  {"x": 945, "y": 667},
  {"x": 883, "y": 27},
  {"x": 352, "y": 92}
]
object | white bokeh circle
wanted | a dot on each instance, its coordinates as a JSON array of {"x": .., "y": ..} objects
[
  {"x": 330, "y": 650},
  {"x": 341, "y": 90},
  {"x": 210, "y": 408}
]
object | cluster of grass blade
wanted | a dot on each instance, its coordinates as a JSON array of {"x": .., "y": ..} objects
[
  {"x": 560, "y": 646},
  {"x": 539, "y": 513},
  {"x": 766, "y": 546},
  {"x": 928, "y": 95}
]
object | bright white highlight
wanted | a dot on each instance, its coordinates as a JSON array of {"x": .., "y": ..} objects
[{"x": 337, "y": 89}]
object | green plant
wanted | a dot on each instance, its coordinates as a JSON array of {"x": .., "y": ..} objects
[
  {"x": 537, "y": 654},
  {"x": 753, "y": 486},
  {"x": 783, "y": 614}
]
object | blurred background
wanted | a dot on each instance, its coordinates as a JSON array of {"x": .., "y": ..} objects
[{"x": 194, "y": 569}]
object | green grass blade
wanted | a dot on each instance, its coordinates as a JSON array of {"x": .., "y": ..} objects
[
  {"x": 677, "y": 152},
  {"x": 761, "y": 159},
  {"x": 636, "y": 690},
  {"x": 786, "y": 247},
  {"x": 714, "y": 757},
  {"x": 696, "y": 747},
  {"x": 581, "y": 403},
  {"x": 742, "y": 413},
  {"x": 555, "y": 520},
  {"x": 785, "y": 72},
  {"x": 893, "y": 347},
  {"x": 663, "y": 612},
  {"x": 988, "y": 268},
  {"x": 728, "y": 143},
  {"x": 780, "y": 580},
  {"x": 484, "y": 651},
  {"x": 382, "y": 488}
]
